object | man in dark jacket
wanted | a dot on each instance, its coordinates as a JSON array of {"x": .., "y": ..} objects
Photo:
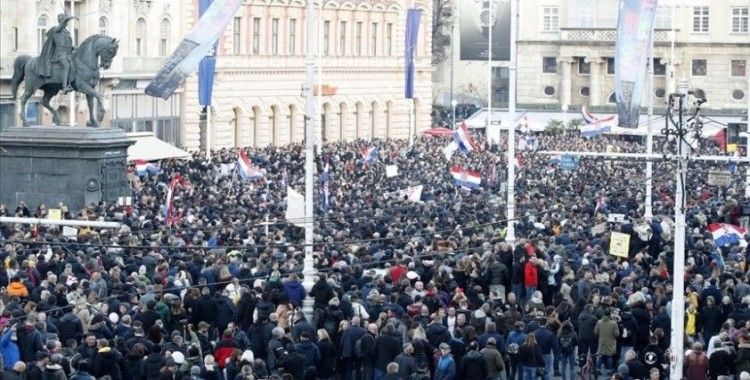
[
  {"x": 153, "y": 363},
  {"x": 636, "y": 369},
  {"x": 472, "y": 366},
  {"x": 107, "y": 361},
  {"x": 29, "y": 340},
  {"x": 407, "y": 365},
  {"x": 245, "y": 309},
  {"x": 35, "y": 369},
  {"x": 149, "y": 316},
  {"x": 15, "y": 373},
  {"x": 294, "y": 290},
  {"x": 387, "y": 347},
  {"x": 586, "y": 325},
  {"x": 322, "y": 292},
  {"x": 70, "y": 327},
  {"x": 348, "y": 354},
  {"x": 547, "y": 341},
  {"x": 721, "y": 362},
  {"x": 308, "y": 350}
]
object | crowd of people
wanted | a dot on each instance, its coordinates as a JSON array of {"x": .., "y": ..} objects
[{"x": 403, "y": 289}]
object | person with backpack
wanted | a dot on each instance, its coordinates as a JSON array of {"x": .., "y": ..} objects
[
  {"x": 568, "y": 342},
  {"x": 364, "y": 348},
  {"x": 515, "y": 340}
]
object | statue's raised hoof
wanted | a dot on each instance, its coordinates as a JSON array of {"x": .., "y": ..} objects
[{"x": 92, "y": 124}]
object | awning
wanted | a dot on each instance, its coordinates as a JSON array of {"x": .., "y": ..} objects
[
  {"x": 149, "y": 148},
  {"x": 439, "y": 132}
]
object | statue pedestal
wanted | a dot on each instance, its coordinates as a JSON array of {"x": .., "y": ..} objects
[{"x": 76, "y": 166}]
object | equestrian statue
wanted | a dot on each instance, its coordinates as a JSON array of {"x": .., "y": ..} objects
[{"x": 62, "y": 67}]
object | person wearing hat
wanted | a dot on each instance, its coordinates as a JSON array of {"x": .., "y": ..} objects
[{"x": 445, "y": 369}]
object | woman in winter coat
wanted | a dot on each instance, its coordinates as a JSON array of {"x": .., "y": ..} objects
[
  {"x": 742, "y": 361},
  {"x": 326, "y": 364},
  {"x": 531, "y": 357}
]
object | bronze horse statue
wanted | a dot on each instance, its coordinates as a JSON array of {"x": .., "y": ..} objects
[{"x": 97, "y": 51}]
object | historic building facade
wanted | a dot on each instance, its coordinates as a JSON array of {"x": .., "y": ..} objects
[
  {"x": 257, "y": 98},
  {"x": 566, "y": 54}
]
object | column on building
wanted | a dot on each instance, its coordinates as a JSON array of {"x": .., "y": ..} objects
[
  {"x": 595, "y": 80},
  {"x": 565, "y": 84}
]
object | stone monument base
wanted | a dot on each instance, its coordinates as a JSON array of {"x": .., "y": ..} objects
[{"x": 76, "y": 166}]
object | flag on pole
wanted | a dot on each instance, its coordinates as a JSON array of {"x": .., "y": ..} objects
[
  {"x": 215, "y": 16},
  {"x": 170, "y": 217},
  {"x": 635, "y": 24},
  {"x": 369, "y": 155},
  {"x": 207, "y": 66},
  {"x": 410, "y": 46},
  {"x": 246, "y": 168},
  {"x": 467, "y": 179},
  {"x": 144, "y": 168},
  {"x": 449, "y": 150},
  {"x": 595, "y": 126},
  {"x": 463, "y": 140}
]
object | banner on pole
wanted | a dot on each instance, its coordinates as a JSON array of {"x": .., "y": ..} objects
[
  {"x": 295, "y": 207},
  {"x": 193, "y": 48},
  {"x": 619, "y": 244},
  {"x": 634, "y": 33},
  {"x": 413, "y": 16},
  {"x": 476, "y": 17}
]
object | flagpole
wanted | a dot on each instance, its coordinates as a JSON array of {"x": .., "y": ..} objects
[
  {"x": 510, "y": 236},
  {"x": 489, "y": 64},
  {"x": 72, "y": 114},
  {"x": 208, "y": 132},
  {"x": 320, "y": 71},
  {"x": 648, "y": 210},
  {"x": 308, "y": 270}
]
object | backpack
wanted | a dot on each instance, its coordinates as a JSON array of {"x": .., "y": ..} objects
[
  {"x": 515, "y": 339},
  {"x": 358, "y": 349}
]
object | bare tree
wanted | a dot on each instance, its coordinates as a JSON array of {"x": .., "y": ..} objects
[{"x": 443, "y": 12}]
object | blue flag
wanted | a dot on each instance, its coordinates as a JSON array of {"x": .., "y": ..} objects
[
  {"x": 410, "y": 45},
  {"x": 207, "y": 67}
]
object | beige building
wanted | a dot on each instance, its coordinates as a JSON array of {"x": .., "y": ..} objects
[
  {"x": 260, "y": 68},
  {"x": 566, "y": 52}
]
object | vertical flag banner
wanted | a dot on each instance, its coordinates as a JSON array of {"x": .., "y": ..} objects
[
  {"x": 634, "y": 32},
  {"x": 207, "y": 66},
  {"x": 475, "y": 19},
  {"x": 194, "y": 47},
  {"x": 412, "y": 31}
]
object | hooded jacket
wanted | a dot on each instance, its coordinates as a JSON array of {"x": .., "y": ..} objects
[
  {"x": 29, "y": 342},
  {"x": 9, "y": 349}
]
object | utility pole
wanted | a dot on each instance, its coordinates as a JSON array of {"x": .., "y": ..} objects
[
  {"x": 510, "y": 207},
  {"x": 648, "y": 210},
  {"x": 453, "y": 101},
  {"x": 308, "y": 270}
]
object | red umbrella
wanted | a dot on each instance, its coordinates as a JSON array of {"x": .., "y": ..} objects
[{"x": 439, "y": 132}]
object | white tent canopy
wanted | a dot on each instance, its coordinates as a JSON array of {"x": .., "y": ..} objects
[{"x": 149, "y": 148}]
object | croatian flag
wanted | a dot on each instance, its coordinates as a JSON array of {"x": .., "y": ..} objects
[
  {"x": 724, "y": 233},
  {"x": 168, "y": 208},
  {"x": 369, "y": 155},
  {"x": 248, "y": 171},
  {"x": 144, "y": 168},
  {"x": 595, "y": 126},
  {"x": 467, "y": 179},
  {"x": 463, "y": 140}
]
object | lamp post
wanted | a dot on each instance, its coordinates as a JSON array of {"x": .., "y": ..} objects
[
  {"x": 308, "y": 270},
  {"x": 454, "y": 103}
]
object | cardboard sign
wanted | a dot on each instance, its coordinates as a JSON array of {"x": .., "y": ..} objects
[
  {"x": 54, "y": 214},
  {"x": 70, "y": 231},
  {"x": 391, "y": 171},
  {"x": 619, "y": 244},
  {"x": 616, "y": 218},
  {"x": 721, "y": 179}
]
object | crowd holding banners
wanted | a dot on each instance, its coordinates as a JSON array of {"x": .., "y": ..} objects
[{"x": 405, "y": 290}]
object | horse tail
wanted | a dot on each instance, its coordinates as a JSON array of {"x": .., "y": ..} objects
[{"x": 19, "y": 68}]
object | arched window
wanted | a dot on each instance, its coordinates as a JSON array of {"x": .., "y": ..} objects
[
  {"x": 164, "y": 37},
  {"x": 41, "y": 26},
  {"x": 140, "y": 37},
  {"x": 103, "y": 25}
]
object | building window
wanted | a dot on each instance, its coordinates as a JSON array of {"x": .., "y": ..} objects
[
  {"x": 389, "y": 39},
  {"x": 549, "y": 65},
  {"x": 359, "y": 39},
  {"x": 585, "y": 92},
  {"x": 15, "y": 38},
  {"x": 740, "y": 19},
  {"x": 738, "y": 95},
  {"x": 583, "y": 67},
  {"x": 256, "y": 35},
  {"x": 699, "y": 68},
  {"x": 342, "y": 39},
  {"x": 236, "y": 35},
  {"x": 550, "y": 19},
  {"x": 274, "y": 36},
  {"x": 164, "y": 38},
  {"x": 374, "y": 36},
  {"x": 326, "y": 36},
  {"x": 103, "y": 25},
  {"x": 292, "y": 36},
  {"x": 610, "y": 66},
  {"x": 660, "y": 69},
  {"x": 663, "y": 19},
  {"x": 739, "y": 67},
  {"x": 549, "y": 90},
  {"x": 41, "y": 26},
  {"x": 140, "y": 37},
  {"x": 700, "y": 19}
]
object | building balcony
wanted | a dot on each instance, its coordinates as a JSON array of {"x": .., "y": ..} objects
[{"x": 605, "y": 35}]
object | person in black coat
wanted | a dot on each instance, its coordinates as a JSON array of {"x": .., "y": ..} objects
[
  {"x": 245, "y": 309},
  {"x": 326, "y": 364},
  {"x": 711, "y": 319},
  {"x": 322, "y": 292},
  {"x": 721, "y": 362},
  {"x": 153, "y": 363},
  {"x": 69, "y": 327},
  {"x": 643, "y": 318},
  {"x": 636, "y": 369},
  {"x": 387, "y": 347},
  {"x": 472, "y": 366},
  {"x": 107, "y": 361},
  {"x": 207, "y": 308},
  {"x": 29, "y": 340},
  {"x": 586, "y": 325}
]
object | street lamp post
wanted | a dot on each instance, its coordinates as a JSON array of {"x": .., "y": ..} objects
[{"x": 454, "y": 103}]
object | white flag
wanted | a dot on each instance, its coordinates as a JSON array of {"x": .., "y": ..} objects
[
  {"x": 391, "y": 171},
  {"x": 295, "y": 207},
  {"x": 412, "y": 193},
  {"x": 449, "y": 150}
]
